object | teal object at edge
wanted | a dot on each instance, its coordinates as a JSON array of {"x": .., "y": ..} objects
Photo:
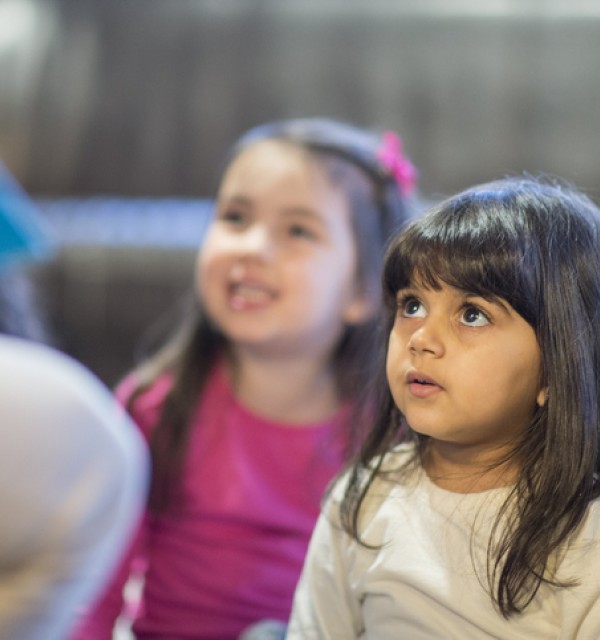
[{"x": 24, "y": 235}]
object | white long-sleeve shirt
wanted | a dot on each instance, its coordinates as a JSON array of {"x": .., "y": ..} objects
[
  {"x": 427, "y": 579},
  {"x": 73, "y": 481}
]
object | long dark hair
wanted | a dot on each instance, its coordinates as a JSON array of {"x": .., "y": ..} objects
[
  {"x": 535, "y": 243},
  {"x": 349, "y": 156}
]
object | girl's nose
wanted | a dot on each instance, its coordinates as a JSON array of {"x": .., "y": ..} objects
[
  {"x": 427, "y": 339},
  {"x": 257, "y": 241}
]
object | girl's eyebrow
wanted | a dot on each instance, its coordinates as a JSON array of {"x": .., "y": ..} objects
[{"x": 235, "y": 199}]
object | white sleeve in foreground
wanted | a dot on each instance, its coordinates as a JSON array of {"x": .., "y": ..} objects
[
  {"x": 325, "y": 607},
  {"x": 73, "y": 483}
]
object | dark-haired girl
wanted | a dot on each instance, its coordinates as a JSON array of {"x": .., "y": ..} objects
[{"x": 471, "y": 511}]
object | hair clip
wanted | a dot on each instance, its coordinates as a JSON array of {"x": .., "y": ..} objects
[{"x": 391, "y": 156}]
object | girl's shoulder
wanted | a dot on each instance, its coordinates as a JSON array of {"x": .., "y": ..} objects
[
  {"x": 148, "y": 404},
  {"x": 398, "y": 457},
  {"x": 154, "y": 394},
  {"x": 396, "y": 461},
  {"x": 590, "y": 527},
  {"x": 580, "y": 555}
]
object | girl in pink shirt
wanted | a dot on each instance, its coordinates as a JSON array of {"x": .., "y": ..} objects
[{"x": 258, "y": 400}]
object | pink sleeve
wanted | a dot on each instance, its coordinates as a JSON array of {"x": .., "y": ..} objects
[{"x": 124, "y": 389}]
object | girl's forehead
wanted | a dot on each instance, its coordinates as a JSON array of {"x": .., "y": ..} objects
[
  {"x": 275, "y": 177},
  {"x": 264, "y": 151},
  {"x": 269, "y": 160}
]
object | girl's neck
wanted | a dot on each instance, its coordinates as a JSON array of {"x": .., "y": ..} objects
[
  {"x": 468, "y": 469},
  {"x": 291, "y": 390}
]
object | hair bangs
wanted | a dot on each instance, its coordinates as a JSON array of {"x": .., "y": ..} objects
[{"x": 485, "y": 258}]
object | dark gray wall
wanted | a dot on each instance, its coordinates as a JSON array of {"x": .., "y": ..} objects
[{"x": 142, "y": 97}]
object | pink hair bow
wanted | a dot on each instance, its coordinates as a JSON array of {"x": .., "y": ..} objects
[{"x": 392, "y": 157}]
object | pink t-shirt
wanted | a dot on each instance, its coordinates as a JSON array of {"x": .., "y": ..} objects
[{"x": 232, "y": 551}]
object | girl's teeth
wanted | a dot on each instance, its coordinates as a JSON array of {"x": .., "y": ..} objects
[
  {"x": 248, "y": 294},
  {"x": 251, "y": 293}
]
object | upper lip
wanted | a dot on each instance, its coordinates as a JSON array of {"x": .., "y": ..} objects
[
  {"x": 251, "y": 282},
  {"x": 422, "y": 378}
]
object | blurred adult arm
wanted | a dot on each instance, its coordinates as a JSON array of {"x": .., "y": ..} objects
[{"x": 73, "y": 485}]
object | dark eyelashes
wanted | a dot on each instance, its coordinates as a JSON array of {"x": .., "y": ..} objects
[
  {"x": 469, "y": 305},
  {"x": 404, "y": 301}
]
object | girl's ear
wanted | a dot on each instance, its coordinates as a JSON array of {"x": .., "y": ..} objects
[
  {"x": 361, "y": 307},
  {"x": 542, "y": 396}
]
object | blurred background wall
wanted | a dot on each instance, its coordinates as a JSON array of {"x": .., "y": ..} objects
[{"x": 135, "y": 102}]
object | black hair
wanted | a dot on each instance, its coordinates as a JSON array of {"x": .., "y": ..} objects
[{"x": 534, "y": 242}]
